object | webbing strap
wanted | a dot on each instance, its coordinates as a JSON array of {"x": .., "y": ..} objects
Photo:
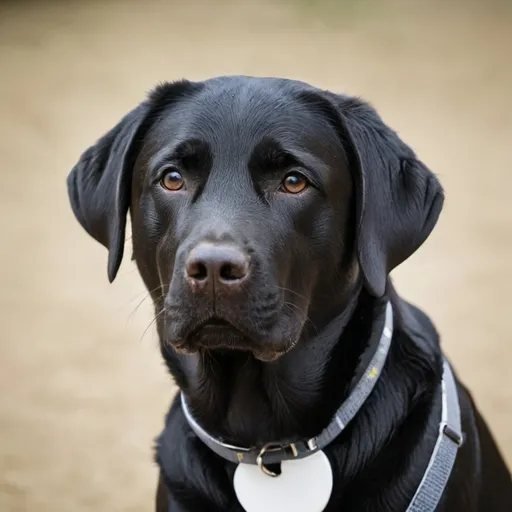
[{"x": 441, "y": 462}]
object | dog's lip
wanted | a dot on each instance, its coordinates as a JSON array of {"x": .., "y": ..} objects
[
  {"x": 272, "y": 355},
  {"x": 214, "y": 322},
  {"x": 269, "y": 356},
  {"x": 213, "y": 326},
  {"x": 210, "y": 325},
  {"x": 209, "y": 333}
]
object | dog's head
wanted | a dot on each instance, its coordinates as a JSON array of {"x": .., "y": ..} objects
[{"x": 256, "y": 207}]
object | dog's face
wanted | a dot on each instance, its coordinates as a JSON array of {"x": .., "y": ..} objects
[
  {"x": 240, "y": 204},
  {"x": 256, "y": 204}
]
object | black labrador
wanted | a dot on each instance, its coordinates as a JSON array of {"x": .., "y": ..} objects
[{"x": 266, "y": 216}]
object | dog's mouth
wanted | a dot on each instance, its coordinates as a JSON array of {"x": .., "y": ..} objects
[
  {"x": 219, "y": 333},
  {"x": 214, "y": 323},
  {"x": 216, "y": 333}
]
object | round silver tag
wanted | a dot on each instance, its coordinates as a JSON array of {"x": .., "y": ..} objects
[{"x": 304, "y": 485}]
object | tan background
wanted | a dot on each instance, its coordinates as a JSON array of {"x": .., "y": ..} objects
[{"x": 83, "y": 391}]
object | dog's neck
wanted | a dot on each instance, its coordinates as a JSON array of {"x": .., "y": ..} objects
[{"x": 247, "y": 402}]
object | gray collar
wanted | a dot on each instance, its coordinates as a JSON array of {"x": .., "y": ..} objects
[{"x": 441, "y": 462}]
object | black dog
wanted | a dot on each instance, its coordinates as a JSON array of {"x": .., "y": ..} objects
[{"x": 266, "y": 216}]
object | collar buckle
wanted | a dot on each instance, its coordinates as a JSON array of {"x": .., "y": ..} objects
[{"x": 272, "y": 447}]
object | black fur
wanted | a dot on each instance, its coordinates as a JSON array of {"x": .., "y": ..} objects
[{"x": 297, "y": 330}]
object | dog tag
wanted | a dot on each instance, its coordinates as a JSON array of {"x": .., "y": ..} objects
[{"x": 304, "y": 485}]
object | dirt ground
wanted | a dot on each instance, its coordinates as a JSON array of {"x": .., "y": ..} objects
[{"x": 83, "y": 390}]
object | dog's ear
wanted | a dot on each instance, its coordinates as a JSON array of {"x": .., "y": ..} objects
[
  {"x": 99, "y": 185},
  {"x": 397, "y": 198}
]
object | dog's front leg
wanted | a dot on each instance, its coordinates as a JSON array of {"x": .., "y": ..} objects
[
  {"x": 162, "y": 497},
  {"x": 164, "y": 500},
  {"x": 166, "y": 503}
]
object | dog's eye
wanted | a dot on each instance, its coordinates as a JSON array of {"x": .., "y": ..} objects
[
  {"x": 294, "y": 183},
  {"x": 172, "y": 180}
]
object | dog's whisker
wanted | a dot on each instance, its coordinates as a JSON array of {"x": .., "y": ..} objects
[
  {"x": 155, "y": 318},
  {"x": 146, "y": 296},
  {"x": 304, "y": 315},
  {"x": 288, "y": 290}
]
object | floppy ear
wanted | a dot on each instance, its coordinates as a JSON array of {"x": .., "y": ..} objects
[
  {"x": 398, "y": 199},
  {"x": 99, "y": 185}
]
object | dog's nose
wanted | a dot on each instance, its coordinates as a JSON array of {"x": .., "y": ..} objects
[{"x": 222, "y": 266}]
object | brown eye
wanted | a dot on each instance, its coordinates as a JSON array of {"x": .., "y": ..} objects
[
  {"x": 172, "y": 180},
  {"x": 294, "y": 183}
]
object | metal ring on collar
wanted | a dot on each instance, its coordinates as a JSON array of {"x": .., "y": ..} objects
[{"x": 271, "y": 447}]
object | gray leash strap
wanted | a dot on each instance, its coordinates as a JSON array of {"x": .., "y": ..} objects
[
  {"x": 441, "y": 462},
  {"x": 277, "y": 452}
]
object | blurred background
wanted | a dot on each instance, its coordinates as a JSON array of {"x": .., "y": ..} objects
[{"x": 83, "y": 389}]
